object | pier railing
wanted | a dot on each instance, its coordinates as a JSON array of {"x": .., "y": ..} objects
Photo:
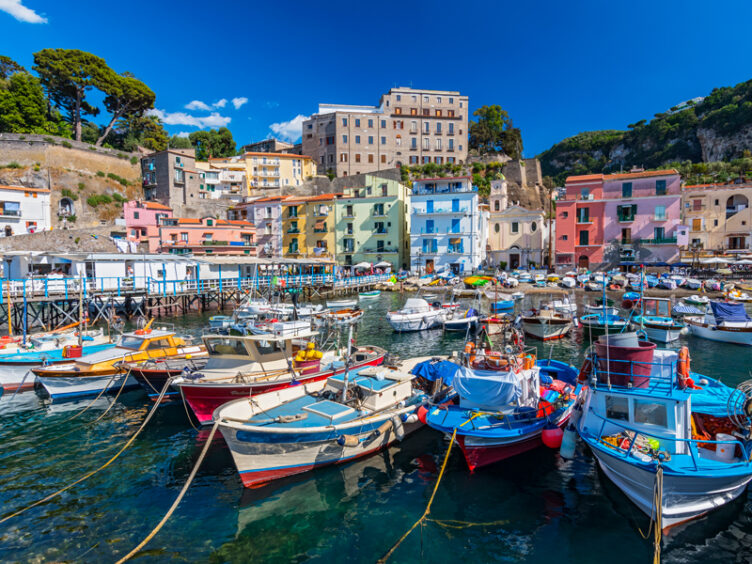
[{"x": 109, "y": 286}]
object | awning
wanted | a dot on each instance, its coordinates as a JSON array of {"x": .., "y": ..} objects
[{"x": 320, "y": 225}]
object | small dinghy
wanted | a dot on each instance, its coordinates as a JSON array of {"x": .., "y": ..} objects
[
  {"x": 598, "y": 323},
  {"x": 667, "y": 284},
  {"x": 221, "y": 321},
  {"x": 369, "y": 295},
  {"x": 692, "y": 283},
  {"x": 416, "y": 315},
  {"x": 726, "y": 322},
  {"x": 564, "y": 305},
  {"x": 568, "y": 282},
  {"x": 461, "y": 320},
  {"x": 697, "y": 300},
  {"x": 340, "y": 317},
  {"x": 341, "y": 304}
]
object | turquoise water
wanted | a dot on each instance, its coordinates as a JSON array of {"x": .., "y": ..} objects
[{"x": 544, "y": 508}]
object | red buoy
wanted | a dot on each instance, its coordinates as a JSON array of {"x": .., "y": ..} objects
[
  {"x": 422, "y": 414},
  {"x": 552, "y": 436}
]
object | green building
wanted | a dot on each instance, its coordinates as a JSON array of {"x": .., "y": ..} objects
[{"x": 371, "y": 222}]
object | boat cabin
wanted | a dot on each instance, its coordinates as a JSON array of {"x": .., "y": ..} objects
[
  {"x": 657, "y": 307},
  {"x": 376, "y": 387},
  {"x": 149, "y": 340}
]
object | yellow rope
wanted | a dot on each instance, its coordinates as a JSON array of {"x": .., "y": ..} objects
[
  {"x": 177, "y": 501},
  {"x": 90, "y": 474},
  {"x": 656, "y": 516},
  {"x": 99, "y": 395}
]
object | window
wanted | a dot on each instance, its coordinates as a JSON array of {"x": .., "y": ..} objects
[
  {"x": 584, "y": 237},
  {"x": 357, "y": 139},
  {"x": 426, "y": 127},
  {"x": 438, "y": 128},
  {"x": 383, "y": 159},
  {"x": 583, "y": 215},
  {"x": 585, "y": 193},
  {"x": 370, "y": 139},
  {"x": 650, "y": 413},
  {"x": 343, "y": 157},
  {"x": 451, "y": 129},
  {"x": 426, "y": 112},
  {"x": 179, "y": 176},
  {"x": 617, "y": 408},
  {"x": 455, "y": 225},
  {"x": 344, "y": 122},
  {"x": 438, "y": 99},
  {"x": 564, "y": 215},
  {"x": 626, "y": 213},
  {"x": 438, "y": 144},
  {"x": 697, "y": 225},
  {"x": 370, "y": 123},
  {"x": 626, "y": 236},
  {"x": 349, "y": 211},
  {"x": 450, "y": 113},
  {"x": 564, "y": 237},
  {"x": 659, "y": 234},
  {"x": 413, "y": 143},
  {"x": 515, "y": 227},
  {"x": 357, "y": 157},
  {"x": 426, "y": 144},
  {"x": 398, "y": 140},
  {"x": 135, "y": 215},
  {"x": 660, "y": 213},
  {"x": 717, "y": 202},
  {"x": 357, "y": 122},
  {"x": 383, "y": 140},
  {"x": 430, "y": 228},
  {"x": 413, "y": 112},
  {"x": 533, "y": 227},
  {"x": 414, "y": 126},
  {"x": 344, "y": 138},
  {"x": 451, "y": 100},
  {"x": 450, "y": 145},
  {"x": 715, "y": 223},
  {"x": 697, "y": 205},
  {"x": 497, "y": 205},
  {"x": 425, "y": 99},
  {"x": 370, "y": 158},
  {"x": 660, "y": 187},
  {"x": 496, "y": 228},
  {"x": 626, "y": 190},
  {"x": 383, "y": 123},
  {"x": 399, "y": 97},
  {"x": 184, "y": 236}
]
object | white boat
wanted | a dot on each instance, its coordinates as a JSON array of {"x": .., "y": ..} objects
[
  {"x": 568, "y": 282},
  {"x": 416, "y": 315},
  {"x": 667, "y": 284},
  {"x": 697, "y": 300},
  {"x": 637, "y": 432},
  {"x": 546, "y": 324},
  {"x": 680, "y": 280},
  {"x": 340, "y": 317},
  {"x": 298, "y": 429},
  {"x": 564, "y": 305},
  {"x": 693, "y": 283},
  {"x": 301, "y": 311},
  {"x": 280, "y": 328},
  {"x": 738, "y": 296},
  {"x": 725, "y": 322},
  {"x": 341, "y": 304},
  {"x": 511, "y": 282},
  {"x": 461, "y": 320},
  {"x": 252, "y": 307},
  {"x": 656, "y": 321}
]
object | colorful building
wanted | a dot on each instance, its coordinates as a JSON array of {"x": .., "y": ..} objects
[
  {"x": 372, "y": 222},
  {"x": 447, "y": 225},
  {"x": 266, "y": 215},
  {"x": 618, "y": 218},
  {"x": 294, "y": 221},
  {"x": 207, "y": 235},
  {"x": 267, "y": 171},
  {"x": 223, "y": 178},
  {"x": 24, "y": 210},
  {"x": 718, "y": 216},
  {"x": 142, "y": 219},
  {"x": 308, "y": 227}
]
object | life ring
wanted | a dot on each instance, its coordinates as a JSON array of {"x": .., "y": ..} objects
[
  {"x": 494, "y": 360},
  {"x": 469, "y": 347},
  {"x": 585, "y": 371},
  {"x": 682, "y": 367}
]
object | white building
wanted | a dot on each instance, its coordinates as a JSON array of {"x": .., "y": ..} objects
[
  {"x": 24, "y": 210},
  {"x": 448, "y": 226},
  {"x": 227, "y": 183}
]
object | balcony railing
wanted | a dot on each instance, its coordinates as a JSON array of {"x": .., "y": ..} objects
[
  {"x": 461, "y": 209},
  {"x": 456, "y": 250},
  {"x": 377, "y": 250},
  {"x": 291, "y": 230},
  {"x": 322, "y": 230},
  {"x": 659, "y": 241}
]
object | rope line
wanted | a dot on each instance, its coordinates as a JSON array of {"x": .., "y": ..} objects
[
  {"x": 656, "y": 516},
  {"x": 178, "y": 499},
  {"x": 88, "y": 475}
]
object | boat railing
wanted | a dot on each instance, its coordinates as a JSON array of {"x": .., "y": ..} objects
[
  {"x": 692, "y": 444},
  {"x": 622, "y": 374}
]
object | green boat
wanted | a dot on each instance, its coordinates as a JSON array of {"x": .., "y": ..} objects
[{"x": 371, "y": 294}]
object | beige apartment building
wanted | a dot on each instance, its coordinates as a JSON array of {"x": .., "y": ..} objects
[
  {"x": 719, "y": 216},
  {"x": 408, "y": 127},
  {"x": 266, "y": 171}
]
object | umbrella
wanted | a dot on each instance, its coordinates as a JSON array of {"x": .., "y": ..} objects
[
  {"x": 714, "y": 260},
  {"x": 384, "y": 264},
  {"x": 363, "y": 265},
  {"x": 744, "y": 261}
]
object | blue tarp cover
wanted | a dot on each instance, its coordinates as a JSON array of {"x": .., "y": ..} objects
[
  {"x": 486, "y": 389},
  {"x": 729, "y": 312},
  {"x": 431, "y": 371}
]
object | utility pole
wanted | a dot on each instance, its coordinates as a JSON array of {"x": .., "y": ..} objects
[{"x": 550, "y": 228}]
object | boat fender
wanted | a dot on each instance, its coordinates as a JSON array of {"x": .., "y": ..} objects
[
  {"x": 399, "y": 429},
  {"x": 410, "y": 418},
  {"x": 290, "y": 418},
  {"x": 585, "y": 371},
  {"x": 568, "y": 442},
  {"x": 347, "y": 441},
  {"x": 552, "y": 436},
  {"x": 382, "y": 429}
]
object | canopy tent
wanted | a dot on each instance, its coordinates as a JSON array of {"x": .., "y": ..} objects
[
  {"x": 744, "y": 261},
  {"x": 714, "y": 260},
  {"x": 362, "y": 265},
  {"x": 486, "y": 389}
]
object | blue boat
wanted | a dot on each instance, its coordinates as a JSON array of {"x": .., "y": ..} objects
[
  {"x": 506, "y": 410},
  {"x": 598, "y": 323},
  {"x": 656, "y": 321},
  {"x": 664, "y": 435}
]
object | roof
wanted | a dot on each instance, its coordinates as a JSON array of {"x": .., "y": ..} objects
[
  {"x": 25, "y": 189},
  {"x": 285, "y": 155},
  {"x": 291, "y": 200},
  {"x": 155, "y": 206},
  {"x": 584, "y": 177},
  {"x": 444, "y": 178},
  {"x": 643, "y": 174}
]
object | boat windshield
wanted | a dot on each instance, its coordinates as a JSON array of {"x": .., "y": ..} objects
[
  {"x": 130, "y": 342},
  {"x": 225, "y": 345},
  {"x": 659, "y": 308}
]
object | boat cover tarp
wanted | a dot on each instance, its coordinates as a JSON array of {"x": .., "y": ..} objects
[
  {"x": 687, "y": 310},
  {"x": 729, "y": 312},
  {"x": 432, "y": 371},
  {"x": 487, "y": 389}
]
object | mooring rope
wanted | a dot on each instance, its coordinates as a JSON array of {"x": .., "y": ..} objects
[
  {"x": 99, "y": 395},
  {"x": 178, "y": 499},
  {"x": 656, "y": 516},
  {"x": 88, "y": 475}
]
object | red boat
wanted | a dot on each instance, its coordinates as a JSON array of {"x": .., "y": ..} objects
[{"x": 245, "y": 366}]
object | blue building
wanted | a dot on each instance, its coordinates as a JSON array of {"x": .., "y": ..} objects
[{"x": 448, "y": 226}]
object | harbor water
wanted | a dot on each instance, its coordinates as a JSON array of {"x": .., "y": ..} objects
[{"x": 536, "y": 507}]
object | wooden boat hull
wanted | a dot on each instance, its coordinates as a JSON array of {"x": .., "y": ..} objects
[
  {"x": 78, "y": 386},
  {"x": 736, "y": 336},
  {"x": 546, "y": 329},
  {"x": 204, "y": 398}
]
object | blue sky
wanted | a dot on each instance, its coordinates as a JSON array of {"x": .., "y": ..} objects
[{"x": 558, "y": 68}]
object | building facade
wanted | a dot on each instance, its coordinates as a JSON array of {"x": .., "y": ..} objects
[
  {"x": 447, "y": 226},
  {"x": 618, "y": 218},
  {"x": 276, "y": 170},
  {"x": 269, "y": 146},
  {"x": 407, "y": 127},
  {"x": 372, "y": 223},
  {"x": 171, "y": 177},
  {"x": 718, "y": 216},
  {"x": 24, "y": 210},
  {"x": 517, "y": 238},
  {"x": 142, "y": 219},
  {"x": 204, "y": 236},
  {"x": 224, "y": 179},
  {"x": 266, "y": 216}
]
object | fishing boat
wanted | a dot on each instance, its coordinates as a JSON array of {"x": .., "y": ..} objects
[
  {"x": 339, "y": 317},
  {"x": 252, "y": 307},
  {"x": 304, "y": 427},
  {"x": 15, "y": 367},
  {"x": 461, "y": 320},
  {"x": 152, "y": 375},
  {"x": 416, "y": 315},
  {"x": 727, "y": 322},
  {"x": 221, "y": 321},
  {"x": 568, "y": 282},
  {"x": 597, "y": 308},
  {"x": 524, "y": 277},
  {"x": 341, "y": 304},
  {"x": 369, "y": 295},
  {"x": 599, "y": 323},
  {"x": 564, "y": 305},
  {"x": 553, "y": 277},
  {"x": 245, "y": 366},
  {"x": 509, "y": 401},
  {"x": 656, "y": 321},
  {"x": 102, "y": 370},
  {"x": 546, "y": 324},
  {"x": 738, "y": 296},
  {"x": 661, "y": 438},
  {"x": 510, "y": 282},
  {"x": 697, "y": 300},
  {"x": 692, "y": 283},
  {"x": 666, "y": 284}
]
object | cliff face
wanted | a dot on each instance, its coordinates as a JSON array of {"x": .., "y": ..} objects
[{"x": 717, "y": 127}]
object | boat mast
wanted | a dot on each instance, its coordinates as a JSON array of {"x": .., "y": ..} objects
[
  {"x": 81, "y": 314},
  {"x": 347, "y": 364}
]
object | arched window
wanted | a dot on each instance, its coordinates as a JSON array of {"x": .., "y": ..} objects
[
  {"x": 496, "y": 228},
  {"x": 533, "y": 227},
  {"x": 496, "y": 205}
]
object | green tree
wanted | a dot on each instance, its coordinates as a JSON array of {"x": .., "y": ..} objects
[
  {"x": 494, "y": 132},
  {"x": 24, "y": 107},
  {"x": 8, "y": 67},
  {"x": 126, "y": 97},
  {"x": 67, "y": 75},
  {"x": 179, "y": 142},
  {"x": 144, "y": 131},
  {"x": 213, "y": 143}
]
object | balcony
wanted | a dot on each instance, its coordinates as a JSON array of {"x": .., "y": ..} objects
[
  {"x": 380, "y": 250},
  {"x": 293, "y": 230},
  {"x": 10, "y": 213},
  {"x": 320, "y": 230},
  {"x": 378, "y": 214},
  {"x": 663, "y": 217},
  {"x": 440, "y": 211},
  {"x": 625, "y": 218},
  {"x": 658, "y": 241},
  {"x": 380, "y": 232},
  {"x": 456, "y": 251}
]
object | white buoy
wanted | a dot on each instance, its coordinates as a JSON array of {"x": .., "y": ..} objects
[{"x": 568, "y": 442}]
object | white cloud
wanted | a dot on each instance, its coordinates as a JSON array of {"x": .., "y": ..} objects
[
  {"x": 237, "y": 102},
  {"x": 23, "y": 14},
  {"x": 197, "y": 105},
  {"x": 181, "y": 118},
  {"x": 221, "y": 104},
  {"x": 289, "y": 130},
  {"x": 183, "y": 134}
]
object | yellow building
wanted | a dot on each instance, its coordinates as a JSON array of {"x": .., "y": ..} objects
[
  {"x": 276, "y": 170},
  {"x": 294, "y": 227},
  {"x": 308, "y": 226}
]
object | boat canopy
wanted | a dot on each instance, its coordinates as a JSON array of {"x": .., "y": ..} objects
[
  {"x": 416, "y": 305},
  {"x": 729, "y": 311},
  {"x": 432, "y": 371},
  {"x": 487, "y": 389}
]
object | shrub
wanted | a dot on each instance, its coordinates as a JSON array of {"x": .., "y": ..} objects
[
  {"x": 100, "y": 173},
  {"x": 49, "y": 139},
  {"x": 36, "y": 168},
  {"x": 76, "y": 240},
  {"x": 13, "y": 164},
  {"x": 21, "y": 137},
  {"x": 81, "y": 186},
  {"x": 116, "y": 178},
  {"x": 92, "y": 148},
  {"x": 118, "y": 198},
  {"x": 66, "y": 145},
  {"x": 134, "y": 160},
  {"x": 121, "y": 156},
  {"x": 98, "y": 199},
  {"x": 68, "y": 194}
]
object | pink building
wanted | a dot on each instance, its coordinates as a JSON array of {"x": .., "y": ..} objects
[
  {"x": 609, "y": 218},
  {"x": 142, "y": 219},
  {"x": 207, "y": 235}
]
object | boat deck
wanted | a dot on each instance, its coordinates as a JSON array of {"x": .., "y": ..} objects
[{"x": 317, "y": 412}]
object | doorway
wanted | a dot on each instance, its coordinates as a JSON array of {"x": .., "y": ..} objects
[
  {"x": 514, "y": 261},
  {"x": 429, "y": 266},
  {"x": 583, "y": 262}
]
